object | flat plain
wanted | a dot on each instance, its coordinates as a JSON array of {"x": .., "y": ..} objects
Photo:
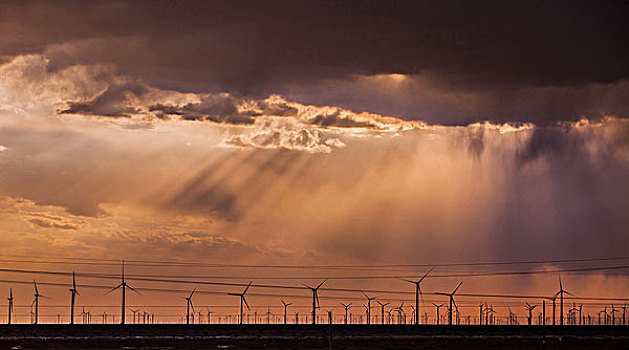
[{"x": 170, "y": 336}]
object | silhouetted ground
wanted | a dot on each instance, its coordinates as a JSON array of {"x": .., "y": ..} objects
[{"x": 310, "y": 337}]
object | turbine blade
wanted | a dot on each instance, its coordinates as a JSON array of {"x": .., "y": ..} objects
[
  {"x": 128, "y": 286},
  {"x": 191, "y": 294},
  {"x": 320, "y": 284},
  {"x": 248, "y": 285},
  {"x": 245, "y": 300},
  {"x": 73, "y": 280},
  {"x": 405, "y": 280},
  {"x": 421, "y": 294},
  {"x": 35, "y": 284},
  {"x": 442, "y": 293},
  {"x": 457, "y": 287},
  {"x": 426, "y": 275},
  {"x": 234, "y": 294},
  {"x": 114, "y": 288}
]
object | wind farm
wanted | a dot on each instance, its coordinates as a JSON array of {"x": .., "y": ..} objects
[{"x": 498, "y": 316}]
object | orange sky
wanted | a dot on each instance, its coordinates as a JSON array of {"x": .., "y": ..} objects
[{"x": 272, "y": 181}]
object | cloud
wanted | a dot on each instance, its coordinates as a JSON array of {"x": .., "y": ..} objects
[
  {"x": 275, "y": 133},
  {"x": 270, "y": 123},
  {"x": 52, "y": 224},
  {"x": 569, "y": 63},
  {"x": 436, "y": 98},
  {"x": 109, "y": 103},
  {"x": 219, "y": 108},
  {"x": 255, "y": 169}
]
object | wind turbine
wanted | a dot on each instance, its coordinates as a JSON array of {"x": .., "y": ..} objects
[
  {"x": 84, "y": 314},
  {"x": 268, "y": 315},
  {"x": 561, "y": 293},
  {"x": 346, "y": 306},
  {"x": 613, "y": 314},
  {"x": 368, "y": 306},
  {"x": 134, "y": 312},
  {"x": 554, "y": 299},
  {"x": 36, "y": 301},
  {"x": 11, "y": 309},
  {"x": 329, "y": 316},
  {"x": 530, "y": 309},
  {"x": 489, "y": 315},
  {"x": 418, "y": 292},
  {"x": 286, "y": 305},
  {"x": 451, "y": 296},
  {"x": 74, "y": 293},
  {"x": 124, "y": 286},
  {"x": 401, "y": 314},
  {"x": 315, "y": 299},
  {"x": 242, "y": 299},
  {"x": 437, "y": 307},
  {"x": 382, "y": 306},
  {"x": 189, "y": 305}
]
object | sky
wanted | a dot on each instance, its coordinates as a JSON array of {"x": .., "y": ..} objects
[{"x": 313, "y": 133}]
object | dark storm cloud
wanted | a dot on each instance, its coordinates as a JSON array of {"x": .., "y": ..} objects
[
  {"x": 257, "y": 48},
  {"x": 110, "y": 103},
  {"x": 218, "y": 109}
]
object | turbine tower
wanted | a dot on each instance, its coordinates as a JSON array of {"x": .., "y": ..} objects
[
  {"x": 74, "y": 293},
  {"x": 189, "y": 305},
  {"x": 242, "y": 299},
  {"x": 286, "y": 305},
  {"x": 418, "y": 293},
  {"x": 124, "y": 286},
  {"x": 315, "y": 299},
  {"x": 451, "y": 296},
  {"x": 11, "y": 309}
]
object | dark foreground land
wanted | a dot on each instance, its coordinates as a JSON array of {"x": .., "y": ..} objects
[{"x": 310, "y": 337}]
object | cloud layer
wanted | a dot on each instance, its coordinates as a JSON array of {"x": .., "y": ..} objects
[{"x": 533, "y": 61}]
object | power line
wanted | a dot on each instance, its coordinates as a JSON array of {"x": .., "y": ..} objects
[
  {"x": 133, "y": 262},
  {"x": 156, "y": 278},
  {"x": 475, "y": 295}
]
